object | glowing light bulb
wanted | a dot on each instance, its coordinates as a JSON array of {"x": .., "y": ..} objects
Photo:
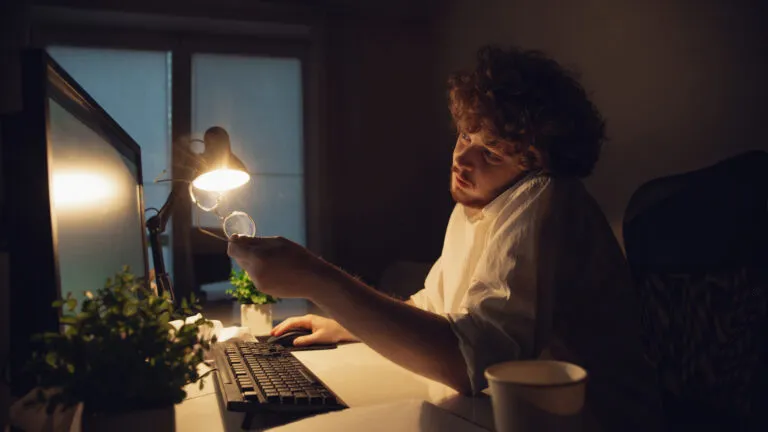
[{"x": 221, "y": 180}]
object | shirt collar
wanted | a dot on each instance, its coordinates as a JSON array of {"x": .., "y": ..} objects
[{"x": 494, "y": 207}]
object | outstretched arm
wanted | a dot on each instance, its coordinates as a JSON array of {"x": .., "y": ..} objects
[{"x": 418, "y": 340}]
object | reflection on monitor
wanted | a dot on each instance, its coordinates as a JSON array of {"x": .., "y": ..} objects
[
  {"x": 73, "y": 188},
  {"x": 96, "y": 205}
]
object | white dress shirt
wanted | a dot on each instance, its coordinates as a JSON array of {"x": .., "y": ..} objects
[{"x": 538, "y": 273}]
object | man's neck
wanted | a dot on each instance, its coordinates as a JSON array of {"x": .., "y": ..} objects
[{"x": 472, "y": 213}]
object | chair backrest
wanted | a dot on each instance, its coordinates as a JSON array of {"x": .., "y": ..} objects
[{"x": 697, "y": 244}]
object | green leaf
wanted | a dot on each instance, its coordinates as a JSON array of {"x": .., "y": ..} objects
[
  {"x": 92, "y": 363},
  {"x": 164, "y": 318},
  {"x": 71, "y": 304},
  {"x": 129, "y": 309}
]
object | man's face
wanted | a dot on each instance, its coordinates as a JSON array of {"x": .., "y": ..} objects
[{"x": 483, "y": 167}]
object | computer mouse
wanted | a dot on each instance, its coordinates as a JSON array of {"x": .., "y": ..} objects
[{"x": 286, "y": 339}]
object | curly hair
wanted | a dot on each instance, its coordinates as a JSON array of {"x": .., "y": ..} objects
[{"x": 530, "y": 100}]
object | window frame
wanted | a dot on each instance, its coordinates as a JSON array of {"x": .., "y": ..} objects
[{"x": 182, "y": 44}]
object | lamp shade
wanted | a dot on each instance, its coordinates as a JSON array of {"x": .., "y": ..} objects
[{"x": 221, "y": 170}]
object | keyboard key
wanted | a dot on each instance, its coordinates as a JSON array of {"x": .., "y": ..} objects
[
  {"x": 307, "y": 376},
  {"x": 251, "y": 395}
]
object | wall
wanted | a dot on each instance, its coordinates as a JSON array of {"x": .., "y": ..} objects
[
  {"x": 13, "y": 34},
  {"x": 682, "y": 84},
  {"x": 389, "y": 181}
]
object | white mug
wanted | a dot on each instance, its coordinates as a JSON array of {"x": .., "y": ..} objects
[{"x": 537, "y": 395}]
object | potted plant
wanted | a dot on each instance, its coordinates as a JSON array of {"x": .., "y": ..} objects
[
  {"x": 120, "y": 357},
  {"x": 255, "y": 306}
]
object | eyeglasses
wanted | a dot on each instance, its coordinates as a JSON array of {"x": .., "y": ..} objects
[{"x": 233, "y": 222}]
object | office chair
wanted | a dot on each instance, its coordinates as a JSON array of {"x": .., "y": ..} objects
[{"x": 697, "y": 244}]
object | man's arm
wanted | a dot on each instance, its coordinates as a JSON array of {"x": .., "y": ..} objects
[{"x": 420, "y": 341}]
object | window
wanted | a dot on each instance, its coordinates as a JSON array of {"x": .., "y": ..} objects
[
  {"x": 254, "y": 88},
  {"x": 258, "y": 100}
]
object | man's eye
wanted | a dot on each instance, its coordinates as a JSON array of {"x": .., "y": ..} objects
[
  {"x": 465, "y": 137},
  {"x": 491, "y": 156}
]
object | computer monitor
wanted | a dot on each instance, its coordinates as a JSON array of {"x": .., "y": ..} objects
[{"x": 74, "y": 201}]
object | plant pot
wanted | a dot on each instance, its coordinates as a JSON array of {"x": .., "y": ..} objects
[
  {"x": 161, "y": 419},
  {"x": 258, "y": 318}
]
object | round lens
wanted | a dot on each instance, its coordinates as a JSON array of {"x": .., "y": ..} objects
[
  {"x": 205, "y": 200},
  {"x": 239, "y": 223}
]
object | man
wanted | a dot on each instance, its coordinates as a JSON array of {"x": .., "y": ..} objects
[{"x": 529, "y": 267}]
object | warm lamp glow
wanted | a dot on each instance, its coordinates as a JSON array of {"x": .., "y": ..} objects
[
  {"x": 221, "y": 180},
  {"x": 80, "y": 188}
]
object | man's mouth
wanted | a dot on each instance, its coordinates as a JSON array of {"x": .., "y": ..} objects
[{"x": 461, "y": 181}]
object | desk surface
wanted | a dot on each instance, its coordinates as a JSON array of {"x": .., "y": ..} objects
[{"x": 357, "y": 374}]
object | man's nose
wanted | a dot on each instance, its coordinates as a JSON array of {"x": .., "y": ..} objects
[{"x": 463, "y": 158}]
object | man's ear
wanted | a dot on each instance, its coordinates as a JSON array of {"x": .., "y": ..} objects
[{"x": 530, "y": 158}]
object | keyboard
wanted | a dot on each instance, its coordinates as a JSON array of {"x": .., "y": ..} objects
[{"x": 257, "y": 377}]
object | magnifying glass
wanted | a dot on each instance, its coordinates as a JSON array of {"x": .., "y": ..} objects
[{"x": 233, "y": 222}]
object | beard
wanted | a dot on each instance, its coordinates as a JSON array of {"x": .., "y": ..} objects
[
  {"x": 467, "y": 199},
  {"x": 474, "y": 201}
]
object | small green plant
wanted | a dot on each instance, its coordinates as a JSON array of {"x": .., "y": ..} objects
[
  {"x": 245, "y": 291},
  {"x": 120, "y": 352}
]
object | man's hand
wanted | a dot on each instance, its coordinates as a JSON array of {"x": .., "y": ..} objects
[
  {"x": 278, "y": 266},
  {"x": 324, "y": 330}
]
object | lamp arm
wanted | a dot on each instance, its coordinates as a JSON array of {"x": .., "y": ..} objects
[{"x": 156, "y": 226}]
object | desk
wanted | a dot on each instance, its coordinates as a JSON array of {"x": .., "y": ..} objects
[{"x": 357, "y": 374}]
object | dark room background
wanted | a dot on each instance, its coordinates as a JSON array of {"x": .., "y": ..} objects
[{"x": 682, "y": 84}]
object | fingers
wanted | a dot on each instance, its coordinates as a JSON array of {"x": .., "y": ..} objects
[
  {"x": 306, "y": 340},
  {"x": 255, "y": 243},
  {"x": 304, "y": 322},
  {"x": 235, "y": 250}
]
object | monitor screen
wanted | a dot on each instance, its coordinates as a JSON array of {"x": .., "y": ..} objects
[
  {"x": 95, "y": 205},
  {"x": 73, "y": 188}
]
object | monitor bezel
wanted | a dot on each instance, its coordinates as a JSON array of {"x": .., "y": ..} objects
[{"x": 34, "y": 275}]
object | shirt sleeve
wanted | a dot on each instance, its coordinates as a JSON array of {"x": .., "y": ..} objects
[{"x": 500, "y": 311}]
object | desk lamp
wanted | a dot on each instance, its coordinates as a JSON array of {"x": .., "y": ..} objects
[{"x": 216, "y": 170}]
